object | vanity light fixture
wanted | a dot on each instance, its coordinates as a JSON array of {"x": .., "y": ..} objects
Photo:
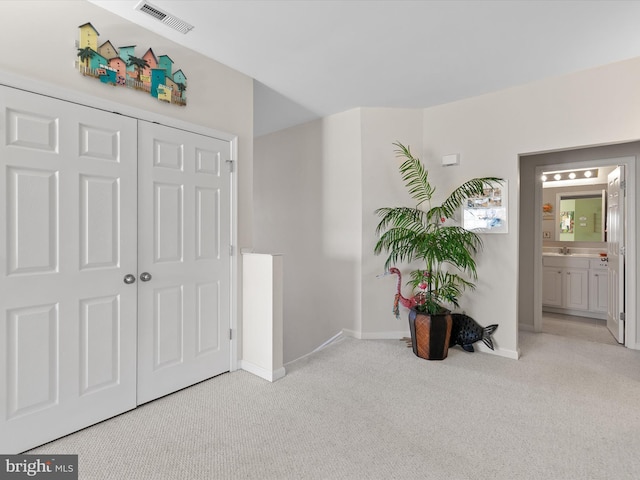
[{"x": 567, "y": 175}]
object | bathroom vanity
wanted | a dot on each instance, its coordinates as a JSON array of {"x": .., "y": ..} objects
[{"x": 575, "y": 284}]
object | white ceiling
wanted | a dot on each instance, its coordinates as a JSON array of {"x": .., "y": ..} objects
[{"x": 319, "y": 57}]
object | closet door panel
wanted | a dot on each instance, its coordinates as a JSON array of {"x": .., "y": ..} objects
[
  {"x": 68, "y": 233},
  {"x": 185, "y": 235}
]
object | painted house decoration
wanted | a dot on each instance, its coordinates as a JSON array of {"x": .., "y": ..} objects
[{"x": 120, "y": 66}]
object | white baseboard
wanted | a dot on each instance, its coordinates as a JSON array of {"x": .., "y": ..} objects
[
  {"x": 500, "y": 352},
  {"x": 388, "y": 335},
  {"x": 333, "y": 339},
  {"x": 576, "y": 313},
  {"x": 336, "y": 337},
  {"x": 397, "y": 335},
  {"x": 526, "y": 327},
  {"x": 270, "y": 375}
]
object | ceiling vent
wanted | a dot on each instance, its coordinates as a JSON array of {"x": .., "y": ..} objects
[{"x": 164, "y": 17}]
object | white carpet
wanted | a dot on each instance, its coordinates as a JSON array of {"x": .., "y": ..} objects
[{"x": 370, "y": 409}]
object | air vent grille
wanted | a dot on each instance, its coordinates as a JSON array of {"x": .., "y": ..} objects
[
  {"x": 169, "y": 20},
  {"x": 154, "y": 12}
]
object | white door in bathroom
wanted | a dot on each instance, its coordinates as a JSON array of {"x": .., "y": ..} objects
[{"x": 615, "y": 251}]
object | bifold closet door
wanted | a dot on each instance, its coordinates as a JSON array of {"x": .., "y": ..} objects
[
  {"x": 67, "y": 241},
  {"x": 184, "y": 259}
]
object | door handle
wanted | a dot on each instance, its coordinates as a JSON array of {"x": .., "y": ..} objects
[
  {"x": 129, "y": 278},
  {"x": 145, "y": 277}
]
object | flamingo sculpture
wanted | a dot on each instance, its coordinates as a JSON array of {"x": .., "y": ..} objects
[{"x": 406, "y": 302}]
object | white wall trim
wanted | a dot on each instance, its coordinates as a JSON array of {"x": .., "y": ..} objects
[
  {"x": 270, "y": 375},
  {"x": 499, "y": 352},
  {"x": 575, "y": 313},
  {"x": 399, "y": 335},
  {"x": 235, "y": 259},
  {"x": 388, "y": 335},
  {"x": 336, "y": 337}
]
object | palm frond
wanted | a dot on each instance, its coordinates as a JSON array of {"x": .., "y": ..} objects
[
  {"x": 451, "y": 287},
  {"x": 403, "y": 217},
  {"x": 444, "y": 288},
  {"x": 415, "y": 176},
  {"x": 470, "y": 188},
  {"x": 453, "y": 245},
  {"x": 405, "y": 233}
]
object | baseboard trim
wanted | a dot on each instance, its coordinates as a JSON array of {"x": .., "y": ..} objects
[
  {"x": 526, "y": 327},
  {"x": 388, "y": 335},
  {"x": 575, "y": 313},
  {"x": 336, "y": 337},
  {"x": 397, "y": 335},
  {"x": 500, "y": 352},
  {"x": 270, "y": 375}
]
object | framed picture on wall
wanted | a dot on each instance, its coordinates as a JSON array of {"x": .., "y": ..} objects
[{"x": 487, "y": 213}]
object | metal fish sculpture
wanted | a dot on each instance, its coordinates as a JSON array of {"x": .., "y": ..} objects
[{"x": 465, "y": 331}]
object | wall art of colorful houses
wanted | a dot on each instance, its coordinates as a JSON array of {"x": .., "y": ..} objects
[{"x": 120, "y": 66}]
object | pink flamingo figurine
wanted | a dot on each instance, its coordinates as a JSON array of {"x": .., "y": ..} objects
[{"x": 406, "y": 302}]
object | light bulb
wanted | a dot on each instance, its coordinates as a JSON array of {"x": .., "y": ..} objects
[
  {"x": 572, "y": 175},
  {"x": 587, "y": 173},
  {"x": 543, "y": 178},
  {"x": 557, "y": 176}
]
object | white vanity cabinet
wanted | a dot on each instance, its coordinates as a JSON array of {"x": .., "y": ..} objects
[
  {"x": 552, "y": 286},
  {"x": 576, "y": 288},
  {"x": 574, "y": 285},
  {"x": 598, "y": 286}
]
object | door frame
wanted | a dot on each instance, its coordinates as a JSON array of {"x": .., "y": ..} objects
[
  {"x": 42, "y": 88},
  {"x": 629, "y": 162}
]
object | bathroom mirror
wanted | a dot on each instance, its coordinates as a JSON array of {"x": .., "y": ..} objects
[{"x": 580, "y": 216}]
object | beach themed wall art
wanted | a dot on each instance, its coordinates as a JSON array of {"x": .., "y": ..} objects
[
  {"x": 124, "y": 67},
  {"x": 487, "y": 213}
]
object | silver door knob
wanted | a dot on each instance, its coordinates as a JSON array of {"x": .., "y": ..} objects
[
  {"x": 129, "y": 278},
  {"x": 145, "y": 276}
]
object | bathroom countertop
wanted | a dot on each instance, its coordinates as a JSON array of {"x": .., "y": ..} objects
[
  {"x": 584, "y": 255},
  {"x": 586, "y": 252}
]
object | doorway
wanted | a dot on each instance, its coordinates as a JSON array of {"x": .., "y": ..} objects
[
  {"x": 531, "y": 232},
  {"x": 579, "y": 262}
]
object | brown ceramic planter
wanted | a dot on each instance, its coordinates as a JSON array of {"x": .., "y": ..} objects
[{"x": 430, "y": 334}]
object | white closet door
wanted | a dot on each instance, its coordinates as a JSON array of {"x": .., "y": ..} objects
[
  {"x": 67, "y": 239},
  {"x": 184, "y": 234}
]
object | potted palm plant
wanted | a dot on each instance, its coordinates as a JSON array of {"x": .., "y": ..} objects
[{"x": 446, "y": 251}]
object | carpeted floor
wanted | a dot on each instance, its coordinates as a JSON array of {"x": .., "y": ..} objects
[{"x": 370, "y": 409}]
